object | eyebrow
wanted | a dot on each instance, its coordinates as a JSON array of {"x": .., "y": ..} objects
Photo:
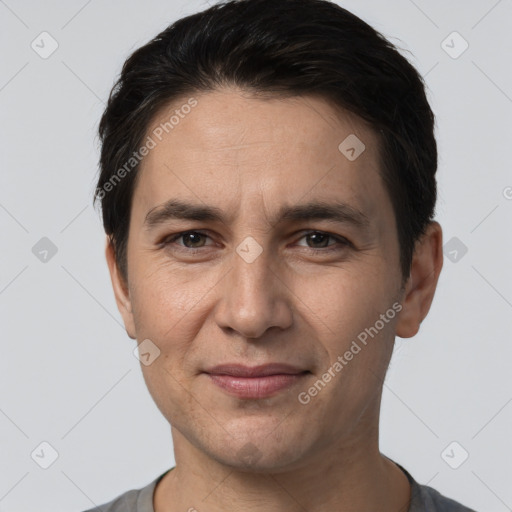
[{"x": 316, "y": 210}]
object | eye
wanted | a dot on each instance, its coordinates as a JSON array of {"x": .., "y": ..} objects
[
  {"x": 320, "y": 240},
  {"x": 317, "y": 241},
  {"x": 191, "y": 240}
]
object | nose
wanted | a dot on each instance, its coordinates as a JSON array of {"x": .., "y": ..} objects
[{"x": 253, "y": 297}]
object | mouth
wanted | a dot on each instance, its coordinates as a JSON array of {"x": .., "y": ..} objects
[{"x": 255, "y": 382}]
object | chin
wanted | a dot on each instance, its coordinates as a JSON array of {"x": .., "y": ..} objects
[
  {"x": 253, "y": 459},
  {"x": 260, "y": 447}
]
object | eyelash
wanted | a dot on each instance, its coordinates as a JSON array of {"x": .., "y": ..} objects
[{"x": 341, "y": 241}]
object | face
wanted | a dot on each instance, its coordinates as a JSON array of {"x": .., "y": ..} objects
[{"x": 263, "y": 263}]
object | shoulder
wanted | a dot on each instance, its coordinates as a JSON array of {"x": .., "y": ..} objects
[
  {"x": 134, "y": 500},
  {"x": 427, "y": 499},
  {"x": 124, "y": 502}
]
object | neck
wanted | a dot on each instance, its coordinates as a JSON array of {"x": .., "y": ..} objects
[{"x": 351, "y": 476}]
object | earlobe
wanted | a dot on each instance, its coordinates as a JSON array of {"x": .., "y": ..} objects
[
  {"x": 121, "y": 291},
  {"x": 421, "y": 285}
]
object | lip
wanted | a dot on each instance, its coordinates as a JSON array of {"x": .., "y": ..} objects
[{"x": 253, "y": 382}]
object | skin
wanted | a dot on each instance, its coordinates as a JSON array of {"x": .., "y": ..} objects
[{"x": 296, "y": 303}]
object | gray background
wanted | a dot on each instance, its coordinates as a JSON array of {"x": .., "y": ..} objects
[{"x": 68, "y": 374}]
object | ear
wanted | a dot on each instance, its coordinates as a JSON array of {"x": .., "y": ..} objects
[
  {"x": 420, "y": 287},
  {"x": 121, "y": 290}
]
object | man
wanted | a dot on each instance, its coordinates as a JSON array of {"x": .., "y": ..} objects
[{"x": 268, "y": 190}]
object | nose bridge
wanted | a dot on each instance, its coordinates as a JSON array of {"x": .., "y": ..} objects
[
  {"x": 251, "y": 271},
  {"x": 252, "y": 301}
]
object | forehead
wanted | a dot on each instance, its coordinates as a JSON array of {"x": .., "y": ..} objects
[
  {"x": 231, "y": 120},
  {"x": 232, "y": 147}
]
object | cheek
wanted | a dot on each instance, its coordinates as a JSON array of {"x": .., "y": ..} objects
[
  {"x": 163, "y": 297},
  {"x": 166, "y": 387},
  {"x": 350, "y": 308},
  {"x": 345, "y": 301},
  {"x": 167, "y": 310},
  {"x": 170, "y": 307}
]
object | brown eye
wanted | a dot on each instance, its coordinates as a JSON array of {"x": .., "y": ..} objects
[
  {"x": 190, "y": 240},
  {"x": 321, "y": 240}
]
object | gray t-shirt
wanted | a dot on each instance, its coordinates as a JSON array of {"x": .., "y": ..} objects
[{"x": 423, "y": 499}]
